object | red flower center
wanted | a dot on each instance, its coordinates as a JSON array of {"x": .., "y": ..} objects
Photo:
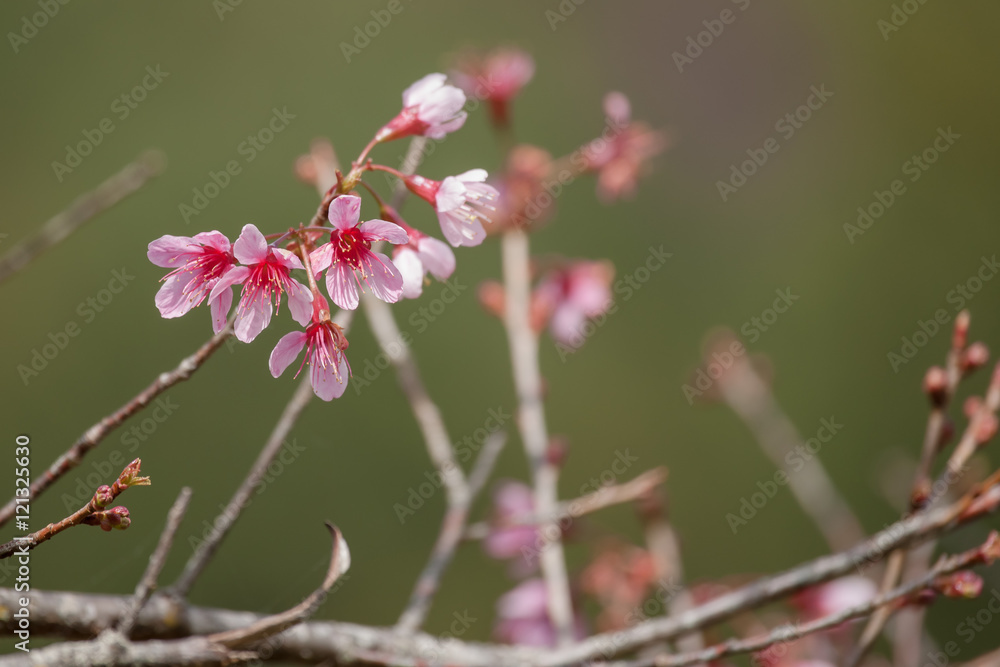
[{"x": 351, "y": 247}]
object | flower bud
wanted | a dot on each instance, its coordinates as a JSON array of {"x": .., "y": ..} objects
[
  {"x": 103, "y": 496},
  {"x": 964, "y": 584},
  {"x": 974, "y": 356},
  {"x": 936, "y": 385},
  {"x": 130, "y": 476}
]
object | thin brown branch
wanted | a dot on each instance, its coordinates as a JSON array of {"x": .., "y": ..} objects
[
  {"x": 95, "y": 512},
  {"x": 607, "y": 496},
  {"x": 523, "y": 344},
  {"x": 96, "y": 433},
  {"x": 157, "y": 560},
  {"x": 107, "y": 194}
]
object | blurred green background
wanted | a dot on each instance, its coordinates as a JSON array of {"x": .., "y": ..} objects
[{"x": 362, "y": 453}]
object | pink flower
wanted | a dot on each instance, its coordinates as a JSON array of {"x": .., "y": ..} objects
[
  {"x": 264, "y": 278},
  {"x": 498, "y": 78},
  {"x": 622, "y": 155},
  {"x": 422, "y": 255},
  {"x": 350, "y": 258},
  {"x": 574, "y": 294},
  {"x": 523, "y": 616},
  {"x": 431, "y": 108},
  {"x": 198, "y": 263},
  {"x": 511, "y": 499},
  {"x": 325, "y": 344},
  {"x": 836, "y": 596},
  {"x": 462, "y": 203}
]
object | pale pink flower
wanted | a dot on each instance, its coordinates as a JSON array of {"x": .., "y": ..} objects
[
  {"x": 325, "y": 344},
  {"x": 198, "y": 263},
  {"x": 572, "y": 295},
  {"x": 510, "y": 500},
  {"x": 431, "y": 108},
  {"x": 496, "y": 77},
  {"x": 622, "y": 154},
  {"x": 265, "y": 277},
  {"x": 350, "y": 259},
  {"x": 422, "y": 255},
  {"x": 523, "y": 616},
  {"x": 462, "y": 203},
  {"x": 836, "y": 596}
]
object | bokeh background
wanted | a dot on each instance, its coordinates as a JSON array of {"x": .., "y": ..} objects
[{"x": 362, "y": 454}]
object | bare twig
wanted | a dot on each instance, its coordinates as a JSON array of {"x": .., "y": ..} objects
[
  {"x": 747, "y": 394},
  {"x": 523, "y": 344},
  {"x": 95, "y": 512},
  {"x": 96, "y": 433},
  {"x": 607, "y": 496},
  {"x": 157, "y": 560},
  {"x": 110, "y": 192}
]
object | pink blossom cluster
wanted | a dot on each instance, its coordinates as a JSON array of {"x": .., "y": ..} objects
[{"x": 289, "y": 264}]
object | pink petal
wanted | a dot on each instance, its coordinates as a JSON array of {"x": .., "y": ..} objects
[
  {"x": 171, "y": 299},
  {"x": 450, "y": 195},
  {"x": 286, "y": 351},
  {"x": 300, "y": 302},
  {"x": 437, "y": 257},
  {"x": 220, "y": 306},
  {"x": 473, "y": 176},
  {"x": 251, "y": 246},
  {"x": 233, "y": 276},
  {"x": 345, "y": 211},
  {"x": 412, "y": 270},
  {"x": 325, "y": 383},
  {"x": 252, "y": 318},
  {"x": 321, "y": 258},
  {"x": 419, "y": 91},
  {"x": 617, "y": 108},
  {"x": 287, "y": 258},
  {"x": 439, "y": 130},
  {"x": 375, "y": 230},
  {"x": 459, "y": 231},
  {"x": 567, "y": 325},
  {"x": 342, "y": 286},
  {"x": 385, "y": 280},
  {"x": 213, "y": 239},
  {"x": 166, "y": 250}
]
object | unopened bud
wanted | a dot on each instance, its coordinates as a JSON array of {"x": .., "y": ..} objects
[
  {"x": 986, "y": 428},
  {"x": 990, "y": 551},
  {"x": 557, "y": 451},
  {"x": 491, "y": 298},
  {"x": 975, "y": 356},
  {"x": 960, "y": 337},
  {"x": 130, "y": 476},
  {"x": 116, "y": 518},
  {"x": 103, "y": 496},
  {"x": 964, "y": 584},
  {"x": 305, "y": 169},
  {"x": 936, "y": 385}
]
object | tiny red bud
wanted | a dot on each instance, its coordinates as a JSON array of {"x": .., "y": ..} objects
[
  {"x": 971, "y": 406},
  {"x": 557, "y": 451},
  {"x": 964, "y": 584},
  {"x": 103, "y": 496},
  {"x": 305, "y": 170},
  {"x": 130, "y": 475},
  {"x": 492, "y": 298},
  {"x": 117, "y": 518},
  {"x": 936, "y": 385},
  {"x": 975, "y": 356},
  {"x": 960, "y": 336},
  {"x": 986, "y": 428}
]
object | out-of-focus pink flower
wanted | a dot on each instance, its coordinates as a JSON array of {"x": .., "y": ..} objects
[
  {"x": 462, "y": 203},
  {"x": 836, "y": 596},
  {"x": 523, "y": 616},
  {"x": 573, "y": 294},
  {"x": 622, "y": 154},
  {"x": 422, "y": 255},
  {"x": 265, "y": 277},
  {"x": 620, "y": 577},
  {"x": 496, "y": 77},
  {"x": 526, "y": 193},
  {"x": 325, "y": 344},
  {"x": 198, "y": 263},
  {"x": 431, "y": 108},
  {"x": 511, "y": 499},
  {"x": 351, "y": 261}
]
